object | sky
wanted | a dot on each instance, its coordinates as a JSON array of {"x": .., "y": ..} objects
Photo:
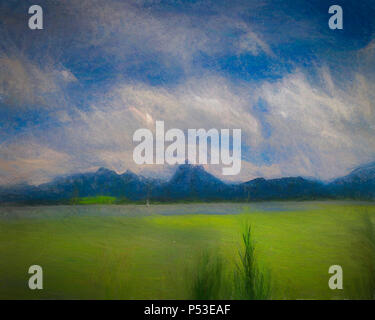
[{"x": 73, "y": 94}]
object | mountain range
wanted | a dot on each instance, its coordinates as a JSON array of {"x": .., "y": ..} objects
[{"x": 192, "y": 183}]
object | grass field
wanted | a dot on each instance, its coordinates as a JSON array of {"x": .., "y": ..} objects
[{"x": 88, "y": 255}]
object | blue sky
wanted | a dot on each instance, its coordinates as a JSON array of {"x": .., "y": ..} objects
[{"x": 72, "y": 95}]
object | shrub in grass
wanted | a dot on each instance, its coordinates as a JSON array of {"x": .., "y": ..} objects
[
  {"x": 208, "y": 282},
  {"x": 207, "y": 279},
  {"x": 250, "y": 282}
]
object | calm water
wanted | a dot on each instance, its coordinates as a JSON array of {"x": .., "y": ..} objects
[{"x": 160, "y": 209}]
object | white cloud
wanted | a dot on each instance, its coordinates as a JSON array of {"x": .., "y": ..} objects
[
  {"x": 250, "y": 42},
  {"x": 68, "y": 76},
  {"x": 318, "y": 129},
  {"x": 129, "y": 31},
  {"x": 23, "y": 83},
  {"x": 102, "y": 136},
  {"x": 31, "y": 162}
]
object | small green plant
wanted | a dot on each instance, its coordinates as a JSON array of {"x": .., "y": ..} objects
[
  {"x": 207, "y": 278},
  {"x": 250, "y": 283},
  {"x": 208, "y": 281}
]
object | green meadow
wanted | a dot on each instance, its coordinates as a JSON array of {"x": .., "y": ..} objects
[
  {"x": 139, "y": 252},
  {"x": 95, "y": 200}
]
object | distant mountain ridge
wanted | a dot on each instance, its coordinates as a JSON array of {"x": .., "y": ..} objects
[
  {"x": 358, "y": 184},
  {"x": 192, "y": 183}
]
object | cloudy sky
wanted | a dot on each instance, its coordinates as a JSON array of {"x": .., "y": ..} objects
[{"x": 72, "y": 95}]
